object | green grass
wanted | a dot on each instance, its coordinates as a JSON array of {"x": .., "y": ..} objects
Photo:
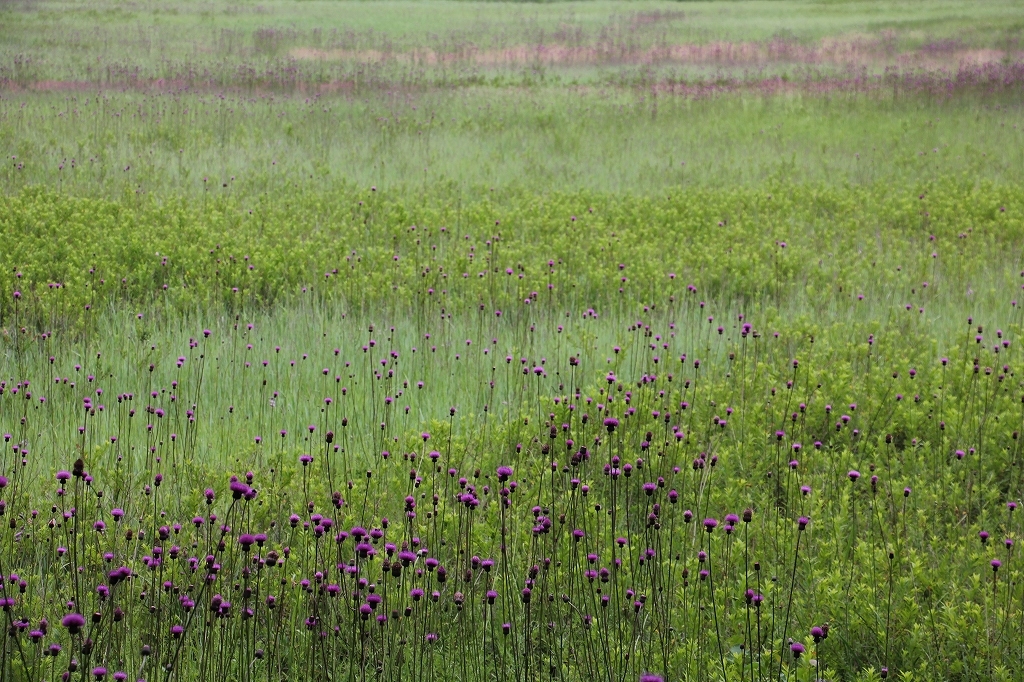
[
  {"x": 777, "y": 241},
  {"x": 210, "y": 92},
  {"x": 413, "y": 253},
  {"x": 68, "y": 37},
  {"x": 223, "y": 400},
  {"x": 532, "y": 138}
]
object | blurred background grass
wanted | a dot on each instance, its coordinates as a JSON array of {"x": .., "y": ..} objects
[
  {"x": 104, "y": 98},
  {"x": 475, "y": 139}
]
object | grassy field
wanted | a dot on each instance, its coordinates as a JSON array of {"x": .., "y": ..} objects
[
  {"x": 82, "y": 40},
  {"x": 511, "y": 341},
  {"x": 478, "y": 139}
]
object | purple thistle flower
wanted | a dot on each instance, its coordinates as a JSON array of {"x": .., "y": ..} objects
[
  {"x": 74, "y": 622},
  {"x": 238, "y": 489}
]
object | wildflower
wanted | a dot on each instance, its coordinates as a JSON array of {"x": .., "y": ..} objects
[
  {"x": 74, "y": 622},
  {"x": 238, "y": 489}
]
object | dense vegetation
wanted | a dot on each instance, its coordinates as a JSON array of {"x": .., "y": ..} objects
[{"x": 449, "y": 341}]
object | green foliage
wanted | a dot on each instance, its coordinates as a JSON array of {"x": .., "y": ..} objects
[
  {"x": 365, "y": 249},
  {"x": 463, "y": 142},
  {"x": 282, "y": 286}
]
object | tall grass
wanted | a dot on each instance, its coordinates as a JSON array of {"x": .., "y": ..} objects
[
  {"x": 631, "y": 423},
  {"x": 112, "y": 144},
  {"x": 507, "y": 342},
  {"x": 86, "y": 41}
]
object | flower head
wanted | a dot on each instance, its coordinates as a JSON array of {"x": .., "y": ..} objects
[{"x": 74, "y": 622}]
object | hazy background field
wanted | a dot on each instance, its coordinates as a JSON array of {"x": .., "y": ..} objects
[{"x": 104, "y": 98}]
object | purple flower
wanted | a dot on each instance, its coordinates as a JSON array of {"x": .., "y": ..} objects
[
  {"x": 238, "y": 489},
  {"x": 710, "y": 524},
  {"x": 504, "y": 473},
  {"x": 649, "y": 677},
  {"x": 74, "y": 622}
]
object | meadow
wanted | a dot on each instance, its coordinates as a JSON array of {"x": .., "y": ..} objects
[{"x": 499, "y": 341}]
